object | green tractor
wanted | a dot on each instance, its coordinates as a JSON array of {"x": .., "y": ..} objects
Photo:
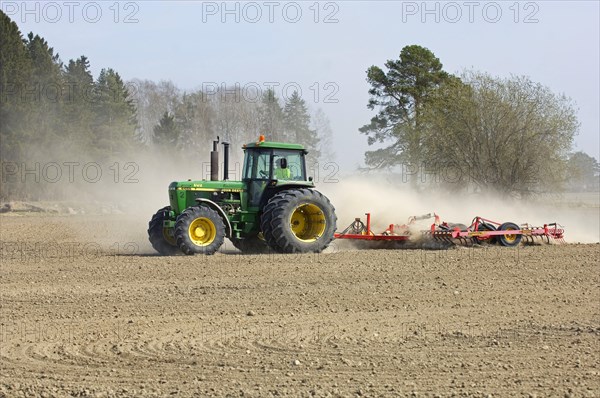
[{"x": 275, "y": 206}]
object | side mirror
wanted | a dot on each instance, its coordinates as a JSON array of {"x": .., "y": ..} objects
[{"x": 283, "y": 163}]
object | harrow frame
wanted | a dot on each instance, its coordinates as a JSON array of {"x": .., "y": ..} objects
[
  {"x": 480, "y": 230},
  {"x": 359, "y": 231}
]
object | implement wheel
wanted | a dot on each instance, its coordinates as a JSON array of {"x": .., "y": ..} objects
[
  {"x": 162, "y": 239},
  {"x": 509, "y": 240},
  {"x": 484, "y": 226},
  {"x": 199, "y": 230},
  {"x": 298, "y": 221}
]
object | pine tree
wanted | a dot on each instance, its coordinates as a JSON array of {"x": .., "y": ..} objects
[
  {"x": 78, "y": 98},
  {"x": 270, "y": 116},
  {"x": 15, "y": 71},
  {"x": 297, "y": 125},
  {"x": 43, "y": 94},
  {"x": 166, "y": 132},
  {"x": 401, "y": 95},
  {"x": 114, "y": 127}
]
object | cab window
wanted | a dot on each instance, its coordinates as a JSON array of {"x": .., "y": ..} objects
[{"x": 294, "y": 160}]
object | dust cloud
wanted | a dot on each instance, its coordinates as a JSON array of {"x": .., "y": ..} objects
[{"x": 136, "y": 186}]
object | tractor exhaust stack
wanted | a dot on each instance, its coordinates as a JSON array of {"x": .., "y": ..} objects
[
  {"x": 225, "y": 161},
  {"x": 214, "y": 161}
]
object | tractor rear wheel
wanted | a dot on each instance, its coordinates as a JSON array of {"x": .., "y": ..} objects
[
  {"x": 298, "y": 221},
  {"x": 199, "y": 230},
  {"x": 509, "y": 240},
  {"x": 161, "y": 238}
]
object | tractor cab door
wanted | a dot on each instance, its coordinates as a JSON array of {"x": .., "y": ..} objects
[{"x": 257, "y": 173}]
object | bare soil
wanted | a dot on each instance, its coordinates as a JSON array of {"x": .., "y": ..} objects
[{"x": 88, "y": 310}]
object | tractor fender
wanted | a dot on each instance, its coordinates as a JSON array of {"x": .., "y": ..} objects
[
  {"x": 209, "y": 203},
  {"x": 274, "y": 190}
]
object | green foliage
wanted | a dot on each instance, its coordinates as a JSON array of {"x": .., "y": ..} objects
[
  {"x": 507, "y": 135},
  {"x": 296, "y": 122},
  {"x": 49, "y": 110},
  {"x": 77, "y": 106},
  {"x": 583, "y": 173},
  {"x": 270, "y": 115},
  {"x": 15, "y": 70},
  {"x": 476, "y": 132},
  {"x": 197, "y": 118},
  {"x": 55, "y": 112},
  {"x": 114, "y": 111},
  {"x": 166, "y": 132},
  {"x": 400, "y": 95}
]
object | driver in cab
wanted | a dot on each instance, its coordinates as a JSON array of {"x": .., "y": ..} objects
[{"x": 282, "y": 172}]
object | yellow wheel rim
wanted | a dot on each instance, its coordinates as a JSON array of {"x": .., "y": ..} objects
[
  {"x": 510, "y": 238},
  {"x": 308, "y": 222},
  {"x": 202, "y": 231},
  {"x": 168, "y": 236}
]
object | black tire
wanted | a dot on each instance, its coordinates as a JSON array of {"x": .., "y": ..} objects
[
  {"x": 199, "y": 230},
  {"x": 460, "y": 226},
  {"x": 509, "y": 240},
  {"x": 298, "y": 221},
  {"x": 162, "y": 239},
  {"x": 274, "y": 202},
  {"x": 250, "y": 245},
  {"x": 484, "y": 226}
]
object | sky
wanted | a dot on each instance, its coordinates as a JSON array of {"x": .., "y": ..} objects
[{"x": 323, "y": 49}]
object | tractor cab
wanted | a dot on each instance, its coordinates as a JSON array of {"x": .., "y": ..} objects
[{"x": 272, "y": 166}]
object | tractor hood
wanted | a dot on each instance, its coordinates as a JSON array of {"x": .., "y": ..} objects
[
  {"x": 183, "y": 194},
  {"x": 207, "y": 186}
]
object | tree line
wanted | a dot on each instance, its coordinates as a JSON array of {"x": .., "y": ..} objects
[
  {"x": 172, "y": 120},
  {"x": 52, "y": 111},
  {"x": 472, "y": 132}
]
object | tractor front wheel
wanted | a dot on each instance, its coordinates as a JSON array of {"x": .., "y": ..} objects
[
  {"x": 298, "y": 221},
  {"x": 161, "y": 238},
  {"x": 199, "y": 230}
]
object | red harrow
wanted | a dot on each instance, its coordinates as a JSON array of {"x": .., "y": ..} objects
[{"x": 481, "y": 230}]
